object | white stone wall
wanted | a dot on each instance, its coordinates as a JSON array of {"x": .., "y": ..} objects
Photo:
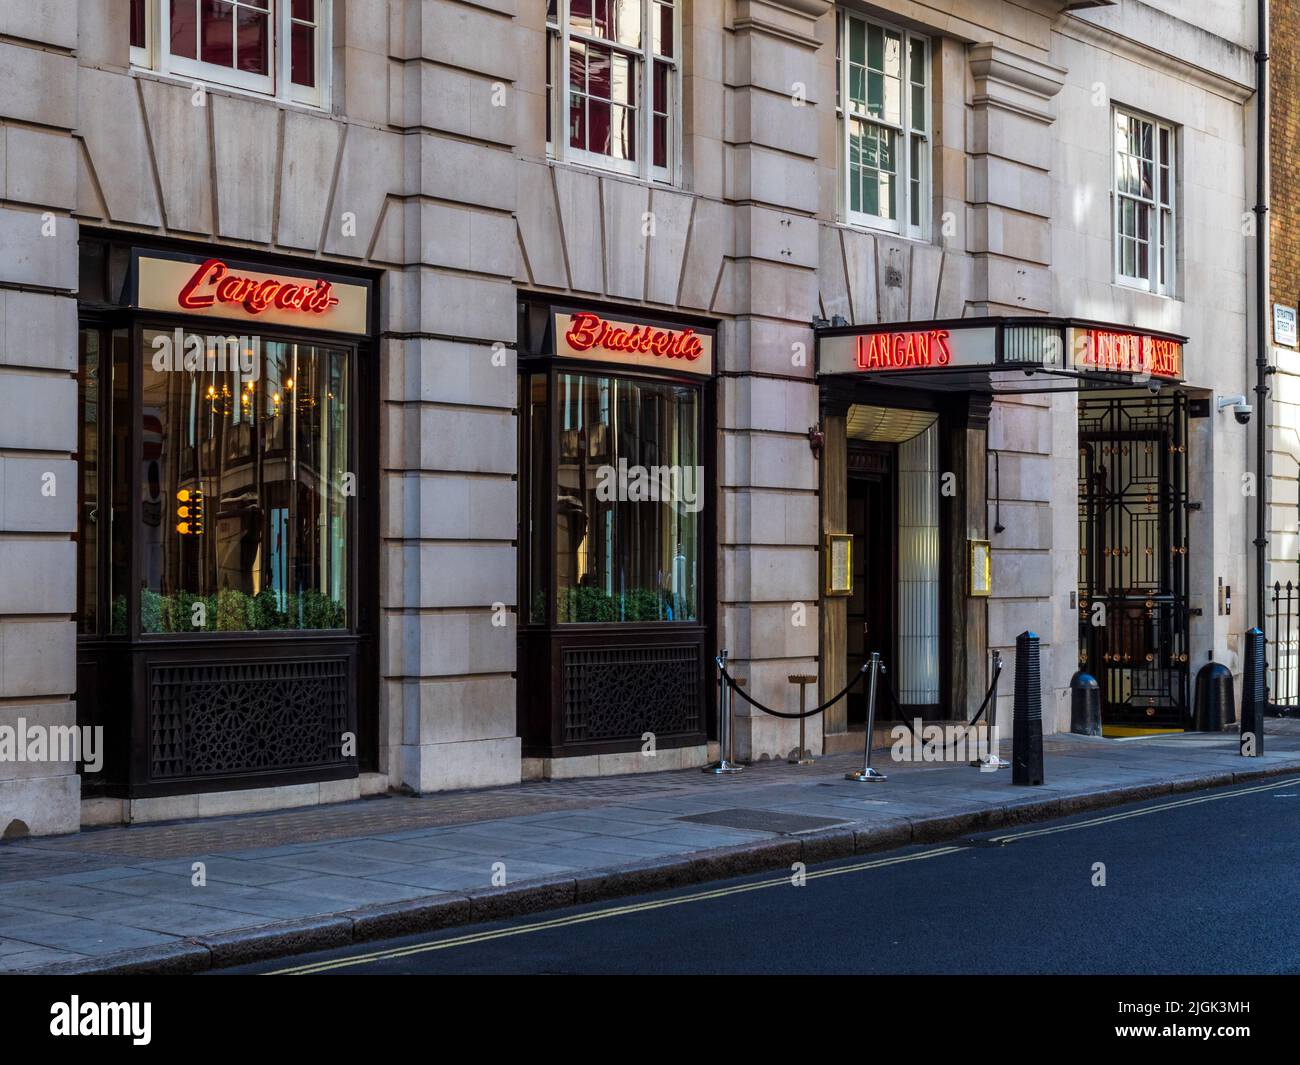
[{"x": 436, "y": 148}]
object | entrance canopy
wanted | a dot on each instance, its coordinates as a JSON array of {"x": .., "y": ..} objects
[{"x": 1002, "y": 356}]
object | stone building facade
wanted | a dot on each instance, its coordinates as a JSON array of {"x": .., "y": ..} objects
[{"x": 764, "y": 195}]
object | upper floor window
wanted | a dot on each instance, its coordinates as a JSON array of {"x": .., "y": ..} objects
[
  {"x": 617, "y": 60},
  {"x": 883, "y": 104},
  {"x": 276, "y": 47},
  {"x": 1144, "y": 202}
]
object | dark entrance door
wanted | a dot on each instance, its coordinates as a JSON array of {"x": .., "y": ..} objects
[
  {"x": 1133, "y": 557},
  {"x": 872, "y": 520}
]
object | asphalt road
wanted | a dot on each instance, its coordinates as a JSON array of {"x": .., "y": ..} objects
[{"x": 1204, "y": 882}]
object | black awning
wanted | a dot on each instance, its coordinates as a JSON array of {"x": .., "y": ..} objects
[{"x": 1002, "y": 356}]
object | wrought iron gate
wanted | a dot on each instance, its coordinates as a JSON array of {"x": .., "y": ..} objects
[{"x": 1133, "y": 569}]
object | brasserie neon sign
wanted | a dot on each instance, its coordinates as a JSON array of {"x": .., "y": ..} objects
[
  {"x": 1134, "y": 353},
  {"x": 587, "y": 331}
]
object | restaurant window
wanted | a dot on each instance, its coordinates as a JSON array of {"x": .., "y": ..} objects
[
  {"x": 617, "y": 61},
  {"x": 628, "y": 495},
  {"x": 275, "y": 47},
  {"x": 242, "y": 481},
  {"x": 1144, "y": 194},
  {"x": 883, "y": 109}
]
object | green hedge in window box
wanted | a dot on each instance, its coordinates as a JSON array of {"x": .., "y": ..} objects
[
  {"x": 231, "y": 610},
  {"x": 592, "y": 605}
]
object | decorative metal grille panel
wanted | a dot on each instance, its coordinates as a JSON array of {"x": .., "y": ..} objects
[
  {"x": 225, "y": 718},
  {"x": 1133, "y": 562},
  {"x": 614, "y": 693}
]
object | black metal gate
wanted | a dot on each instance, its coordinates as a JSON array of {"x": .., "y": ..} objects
[{"x": 1133, "y": 611}]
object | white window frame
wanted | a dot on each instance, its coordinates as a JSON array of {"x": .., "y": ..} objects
[
  {"x": 558, "y": 35},
  {"x": 905, "y": 199},
  {"x": 157, "y": 58},
  {"x": 1162, "y": 255}
]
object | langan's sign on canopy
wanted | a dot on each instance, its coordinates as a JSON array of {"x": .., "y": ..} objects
[
  {"x": 214, "y": 287},
  {"x": 914, "y": 352}
]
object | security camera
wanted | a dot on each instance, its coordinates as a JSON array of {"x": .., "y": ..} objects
[
  {"x": 1153, "y": 386},
  {"x": 1241, "y": 410}
]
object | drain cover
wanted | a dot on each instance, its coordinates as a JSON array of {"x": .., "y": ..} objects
[{"x": 763, "y": 821}]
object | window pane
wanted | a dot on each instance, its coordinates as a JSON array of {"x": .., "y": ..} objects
[
  {"x": 916, "y": 173},
  {"x": 577, "y": 121},
  {"x": 119, "y": 473},
  {"x": 185, "y": 31},
  {"x": 253, "y": 40},
  {"x": 304, "y": 10},
  {"x": 218, "y": 32},
  {"x": 622, "y": 83},
  {"x": 303, "y": 62},
  {"x": 629, "y": 494},
  {"x": 663, "y": 30},
  {"x": 893, "y": 55},
  {"x": 622, "y": 137},
  {"x": 857, "y": 42},
  {"x": 244, "y": 513},
  {"x": 539, "y": 429},
  {"x": 916, "y": 61},
  {"x": 580, "y": 14},
  {"x": 627, "y": 22},
  {"x": 875, "y": 48},
  {"x": 598, "y": 64},
  {"x": 577, "y": 65},
  {"x": 857, "y": 88},
  {"x": 662, "y": 77},
  {"x": 137, "y": 24},
  {"x": 598, "y": 126},
  {"x": 90, "y": 517}
]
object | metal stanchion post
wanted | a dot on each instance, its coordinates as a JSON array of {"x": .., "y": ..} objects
[
  {"x": 866, "y": 773},
  {"x": 991, "y": 761},
  {"x": 803, "y": 680},
  {"x": 724, "y": 764}
]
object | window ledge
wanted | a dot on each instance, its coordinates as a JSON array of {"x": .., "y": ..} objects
[
  {"x": 218, "y": 88},
  {"x": 858, "y": 227},
  {"x": 618, "y": 175}
]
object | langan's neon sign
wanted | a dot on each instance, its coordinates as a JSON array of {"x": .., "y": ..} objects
[
  {"x": 901, "y": 351},
  {"x": 213, "y": 283}
]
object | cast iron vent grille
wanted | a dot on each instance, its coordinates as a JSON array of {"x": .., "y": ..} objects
[
  {"x": 614, "y": 693},
  {"x": 208, "y": 720}
]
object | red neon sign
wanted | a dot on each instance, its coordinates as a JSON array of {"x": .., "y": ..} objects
[
  {"x": 213, "y": 283},
  {"x": 900, "y": 351},
  {"x": 587, "y": 331},
  {"x": 1132, "y": 353}
]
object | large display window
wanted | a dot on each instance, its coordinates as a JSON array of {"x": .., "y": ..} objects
[
  {"x": 227, "y": 586},
  {"x": 617, "y": 498}
]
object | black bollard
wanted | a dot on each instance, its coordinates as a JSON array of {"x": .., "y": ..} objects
[
  {"x": 1027, "y": 714},
  {"x": 1252, "y": 696},
  {"x": 1214, "y": 705},
  {"x": 1085, "y": 705}
]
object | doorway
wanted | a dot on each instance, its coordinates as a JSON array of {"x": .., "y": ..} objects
[
  {"x": 1133, "y": 565},
  {"x": 872, "y": 521},
  {"x": 893, "y": 514}
]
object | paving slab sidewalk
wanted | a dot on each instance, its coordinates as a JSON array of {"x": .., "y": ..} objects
[{"x": 131, "y": 899}]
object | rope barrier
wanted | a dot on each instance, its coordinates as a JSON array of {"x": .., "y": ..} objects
[
  {"x": 779, "y": 713},
  {"x": 889, "y": 690}
]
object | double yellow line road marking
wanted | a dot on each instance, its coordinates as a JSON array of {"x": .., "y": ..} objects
[{"x": 472, "y": 938}]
